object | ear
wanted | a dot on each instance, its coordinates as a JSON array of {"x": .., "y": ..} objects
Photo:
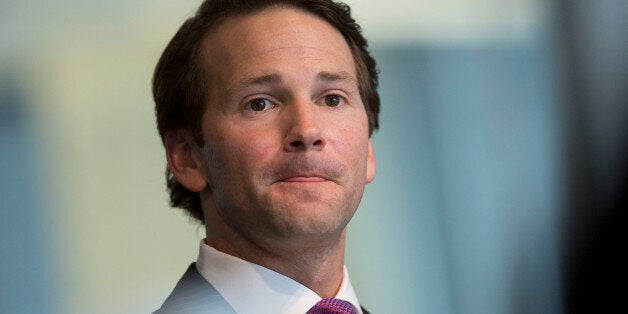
[
  {"x": 184, "y": 160},
  {"x": 371, "y": 168}
]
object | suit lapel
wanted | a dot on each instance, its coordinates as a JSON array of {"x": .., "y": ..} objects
[{"x": 194, "y": 295}]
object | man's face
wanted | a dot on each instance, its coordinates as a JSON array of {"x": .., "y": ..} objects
[{"x": 287, "y": 151}]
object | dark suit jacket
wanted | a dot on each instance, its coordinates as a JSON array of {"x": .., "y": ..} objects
[{"x": 194, "y": 295}]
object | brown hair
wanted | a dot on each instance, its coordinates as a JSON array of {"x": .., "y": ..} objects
[{"x": 180, "y": 81}]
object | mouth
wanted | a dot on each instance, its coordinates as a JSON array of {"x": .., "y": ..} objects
[
  {"x": 305, "y": 171},
  {"x": 304, "y": 179}
]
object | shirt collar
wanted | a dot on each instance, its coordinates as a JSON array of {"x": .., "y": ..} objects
[{"x": 251, "y": 288}]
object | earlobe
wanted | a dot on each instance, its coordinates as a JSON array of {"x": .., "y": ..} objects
[
  {"x": 371, "y": 167},
  {"x": 184, "y": 165}
]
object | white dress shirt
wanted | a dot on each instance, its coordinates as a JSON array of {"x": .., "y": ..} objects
[{"x": 251, "y": 288}]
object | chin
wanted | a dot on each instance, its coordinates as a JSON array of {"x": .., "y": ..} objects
[{"x": 309, "y": 220}]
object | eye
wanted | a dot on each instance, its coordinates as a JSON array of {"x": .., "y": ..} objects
[
  {"x": 259, "y": 104},
  {"x": 333, "y": 100}
]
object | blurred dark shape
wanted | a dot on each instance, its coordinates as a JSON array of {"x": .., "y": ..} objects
[
  {"x": 596, "y": 282},
  {"x": 594, "y": 59}
]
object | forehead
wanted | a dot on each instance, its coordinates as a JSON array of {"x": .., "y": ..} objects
[{"x": 275, "y": 39}]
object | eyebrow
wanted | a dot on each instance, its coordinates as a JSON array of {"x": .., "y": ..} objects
[
  {"x": 275, "y": 78},
  {"x": 333, "y": 77},
  {"x": 260, "y": 80},
  {"x": 256, "y": 80}
]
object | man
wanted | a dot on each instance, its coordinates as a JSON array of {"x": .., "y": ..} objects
[{"x": 266, "y": 109}]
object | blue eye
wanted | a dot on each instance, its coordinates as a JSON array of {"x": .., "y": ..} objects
[
  {"x": 333, "y": 100},
  {"x": 259, "y": 104}
]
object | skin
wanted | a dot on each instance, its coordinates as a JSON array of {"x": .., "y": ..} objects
[{"x": 287, "y": 152}]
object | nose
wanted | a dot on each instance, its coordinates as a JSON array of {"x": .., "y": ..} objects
[{"x": 304, "y": 130}]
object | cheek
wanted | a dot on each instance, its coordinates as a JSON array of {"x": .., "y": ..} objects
[
  {"x": 242, "y": 150},
  {"x": 339, "y": 146},
  {"x": 350, "y": 143}
]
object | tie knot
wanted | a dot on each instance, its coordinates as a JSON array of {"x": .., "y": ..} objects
[{"x": 332, "y": 306}]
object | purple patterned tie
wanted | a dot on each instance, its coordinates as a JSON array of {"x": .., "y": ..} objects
[{"x": 332, "y": 306}]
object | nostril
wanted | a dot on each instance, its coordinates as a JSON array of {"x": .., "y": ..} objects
[
  {"x": 296, "y": 143},
  {"x": 306, "y": 145}
]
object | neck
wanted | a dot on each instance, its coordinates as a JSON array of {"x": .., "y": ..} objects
[{"x": 315, "y": 262}]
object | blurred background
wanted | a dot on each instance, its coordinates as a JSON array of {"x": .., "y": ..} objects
[{"x": 501, "y": 183}]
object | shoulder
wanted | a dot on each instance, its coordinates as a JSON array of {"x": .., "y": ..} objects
[{"x": 193, "y": 294}]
